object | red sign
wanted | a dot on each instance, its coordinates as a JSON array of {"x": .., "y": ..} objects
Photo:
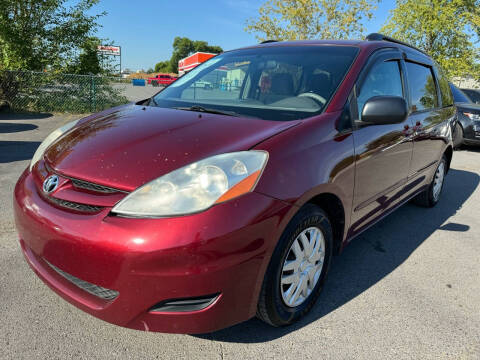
[{"x": 109, "y": 50}]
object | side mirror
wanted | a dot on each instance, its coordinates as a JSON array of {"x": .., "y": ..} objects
[{"x": 382, "y": 110}]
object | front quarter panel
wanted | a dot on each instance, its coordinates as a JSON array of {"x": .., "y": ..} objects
[{"x": 308, "y": 160}]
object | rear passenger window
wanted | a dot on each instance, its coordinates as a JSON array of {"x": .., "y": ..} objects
[
  {"x": 422, "y": 87},
  {"x": 445, "y": 93},
  {"x": 383, "y": 79}
]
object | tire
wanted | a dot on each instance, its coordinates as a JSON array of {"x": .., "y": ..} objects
[
  {"x": 458, "y": 136},
  {"x": 272, "y": 305},
  {"x": 154, "y": 83},
  {"x": 431, "y": 196}
]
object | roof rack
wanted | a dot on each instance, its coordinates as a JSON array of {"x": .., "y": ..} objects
[
  {"x": 381, "y": 37},
  {"x": 268, "y": 41}
]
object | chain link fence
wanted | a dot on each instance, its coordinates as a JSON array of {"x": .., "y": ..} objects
[{"x": 66, "y": 93}]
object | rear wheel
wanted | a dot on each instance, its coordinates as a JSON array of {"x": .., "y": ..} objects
[
  {"x": 431, "y": 196},
  {"x": 298, "y": 268},
  {"x": 458, "y": 136}
]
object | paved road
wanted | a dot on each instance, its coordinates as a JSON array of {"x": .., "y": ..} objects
[
  {"x": 136, "y": 93},
  {"x": 407, "y": 288}
]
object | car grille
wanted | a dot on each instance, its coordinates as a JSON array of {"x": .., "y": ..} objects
[
  {"x": 82, "y": 184},
  {"x": 93, "y": 289},
  {"x": 75, "y": 206},
  {"x": 93, "y": 187}
]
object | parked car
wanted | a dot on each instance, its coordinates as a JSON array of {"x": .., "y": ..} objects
[
  {"x": 467, "y": 128},
  {"x": 161, "y": 79},
  {"x": 472, "y": 94},
  {"x": 203, "y": 85},
  {"x": 190, "y": 213}
]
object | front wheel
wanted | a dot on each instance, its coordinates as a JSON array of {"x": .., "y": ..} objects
[
  {"x": 298, "y": 268},
  {"x": 431, "y": 196}
]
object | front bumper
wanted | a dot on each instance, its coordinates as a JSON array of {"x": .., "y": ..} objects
[
  {"x": 472, "y": 134},
  {"x": 224, "y": 251}
]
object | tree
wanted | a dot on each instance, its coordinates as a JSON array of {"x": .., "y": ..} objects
[
  {"x": 447, "y": 30},
  {"x": 88, "y": 61},
  {"x": 182, "y": 47},
  {"x": 311, "y": 19},
  {"x": 36, "y": 34},
  {"x": 163, "y": 67}
]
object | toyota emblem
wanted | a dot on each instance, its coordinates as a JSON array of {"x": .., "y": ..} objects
[{"x": 50, "y": 184}]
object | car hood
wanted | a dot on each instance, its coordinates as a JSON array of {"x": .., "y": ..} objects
[{"x": 131, "y": 145}]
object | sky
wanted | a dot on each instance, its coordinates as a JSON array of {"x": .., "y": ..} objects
[{"x": 145, "y": 29}]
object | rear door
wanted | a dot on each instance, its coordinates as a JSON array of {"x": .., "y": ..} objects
[
  {"x": 430, "y": 114},
  {"x": 383, "y": 152}
]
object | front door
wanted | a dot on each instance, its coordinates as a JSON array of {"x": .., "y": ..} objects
[{"x": 383, "y": 152}]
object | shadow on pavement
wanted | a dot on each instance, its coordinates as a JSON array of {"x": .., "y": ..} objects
[
  {"x": 370, "y": 257},
  {"x": 24, "y": 116},
  {"x": 469, "y": 148},
  {"x": 17, "y": 150},
  {"x": 6, "y": 128}
]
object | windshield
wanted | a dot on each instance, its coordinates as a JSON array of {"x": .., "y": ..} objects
[
  {"x": 458, "y": 95},
  {"x": 272, "y": 83}
]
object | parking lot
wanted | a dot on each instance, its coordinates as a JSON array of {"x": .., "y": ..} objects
[
  {"x": 135, "y": 93},
  {"x": 407, "y": 288}
]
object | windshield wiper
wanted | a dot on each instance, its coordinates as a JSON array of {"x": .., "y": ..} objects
[{"x": 206, "y": 110}]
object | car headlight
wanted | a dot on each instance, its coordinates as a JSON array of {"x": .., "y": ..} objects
[
  {"x": 49, "y": 140},
  {"x": 196, "y": 187}
]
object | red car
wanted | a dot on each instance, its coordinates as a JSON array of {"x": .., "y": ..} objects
[
  {"x": 161, "y": 79},
  {"x": 198, "y": 209}
]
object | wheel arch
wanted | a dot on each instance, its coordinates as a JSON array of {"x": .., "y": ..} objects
[{"x": 332, "y": 205}]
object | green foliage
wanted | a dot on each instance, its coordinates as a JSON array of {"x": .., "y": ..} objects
[
  {"x": 182, "y": 47},
  {"x": 88, "y": 62},
  {"x": 36, "y": 34},
  {"x": 448, "y": 30},
  {"x": 311, "y": 19},
  {"x": 163, "y": 67}
]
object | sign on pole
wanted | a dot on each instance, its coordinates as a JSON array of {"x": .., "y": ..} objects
[{"x": 109, "y": 50}]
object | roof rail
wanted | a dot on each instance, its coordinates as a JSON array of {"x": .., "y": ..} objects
[
  {"x": 268, "y": 41},
  {"x": 381, "y": 37}
]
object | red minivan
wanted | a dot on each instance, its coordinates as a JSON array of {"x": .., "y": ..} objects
[{"x": 200, "y": 208}]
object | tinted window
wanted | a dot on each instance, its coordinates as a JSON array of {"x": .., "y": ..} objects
[
  {"x": 445, "y": 93},
  {"x": 473, "y": 95},
  {"x": 422, "y": 87},
  {"x": 383, "y": 79},
  {"x": 273, "y": 83},
  {"x": 458, "y": 95}
]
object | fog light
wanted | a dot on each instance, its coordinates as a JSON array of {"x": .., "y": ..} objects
[{"x": 186, "y": 304}]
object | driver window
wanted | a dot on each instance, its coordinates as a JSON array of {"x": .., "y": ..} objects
[{"x": 383, "y": 79}]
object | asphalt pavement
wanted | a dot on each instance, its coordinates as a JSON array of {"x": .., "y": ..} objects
[{"x": 408, "y": 288}]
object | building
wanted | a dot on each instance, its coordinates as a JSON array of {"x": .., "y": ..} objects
[
  {"x": 192, "y": 61},
  {"x": 467, "y": 82}
]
